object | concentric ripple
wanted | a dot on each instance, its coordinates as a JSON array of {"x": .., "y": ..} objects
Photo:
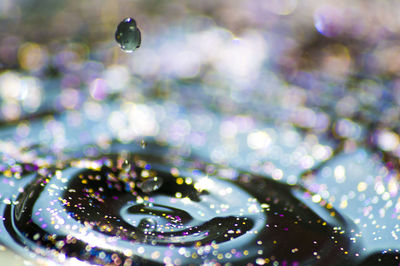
[{"x": 132, "y": 206}]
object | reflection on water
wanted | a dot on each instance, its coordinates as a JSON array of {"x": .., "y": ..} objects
[
  {"x": 84, "y": 210},
  {"x": 277, "y": 128}
]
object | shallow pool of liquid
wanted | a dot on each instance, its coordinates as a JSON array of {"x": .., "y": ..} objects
[{"x": 85, "y": 210}]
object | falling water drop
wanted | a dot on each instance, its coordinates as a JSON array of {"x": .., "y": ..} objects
[
  {"x": 147, "y": 225},
  {"x": 128, "y": 35}
]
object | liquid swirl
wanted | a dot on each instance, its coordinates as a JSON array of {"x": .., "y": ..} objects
[{"x": 134, "y": 206}]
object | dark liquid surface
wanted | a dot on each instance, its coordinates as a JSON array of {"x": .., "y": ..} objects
[{"x": 96, "y": 211}]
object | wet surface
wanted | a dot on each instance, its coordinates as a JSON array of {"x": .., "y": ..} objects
[
  {"x": 263, "y": 135},
  {"x": 92, "y": 214}
]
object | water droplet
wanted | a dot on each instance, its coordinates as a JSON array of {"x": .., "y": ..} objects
[
  {"x": 128, "y": 35},
  {"x": 126, "y": 166},
  {"x": 147, "y": 225},
  {"x": 150, "y": 184}
]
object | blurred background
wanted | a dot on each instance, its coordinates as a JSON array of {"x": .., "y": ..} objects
[{"x": 304, "y": 92}]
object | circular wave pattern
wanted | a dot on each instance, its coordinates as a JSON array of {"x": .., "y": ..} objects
[{"x": 153, "y": 207}]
